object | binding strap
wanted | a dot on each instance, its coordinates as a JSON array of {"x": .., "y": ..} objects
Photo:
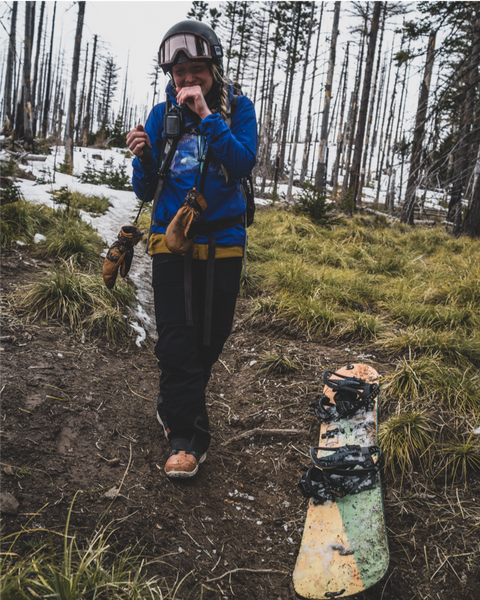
[
  {"x": 339, "y": 474},
  {"x": 351, "y": 394}
]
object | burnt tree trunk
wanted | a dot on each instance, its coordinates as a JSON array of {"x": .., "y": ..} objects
[
  {"x": 320, "y": 182},
  {"x": 341, "y": 127},
  {"x": 292, "y": 56},
  {"x": 46, "y": 106},
  {"x": 10, "y": 75},
  {"x": 70, "y": 124},
  {"x": 354, "y": 183},
  {"x": 299, "y": 112},
  {"x": 86, "y": 119},
  {"x": 418, "y": 135},
  {"x": 35, "y": 68},
  {"x": 27, "y": 91},
  {"x": 372, "y": 104}
]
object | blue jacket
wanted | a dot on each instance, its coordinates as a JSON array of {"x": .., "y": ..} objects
[{"x": 234, "y": 148}]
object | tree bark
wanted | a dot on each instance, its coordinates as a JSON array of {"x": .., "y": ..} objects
[
  {"x": 73, "y": 86},
  {"x": 341, "y": 133},
  {"x": 362, "y": 117},
  {"x": 46, "y": 107},
  {"x": 418, "y": 135},
  {"x": 299, "y": 112},
  {"x": 35, "y": 69},
  {"x": 27, "y": 92},
  {"x": 9, "y": 79},
  {"x": 372, "y": 104},
  {"x": 290, "y": 73},
  {"x": 352, "y": 115},
  {"x": 308, "y": 132},
  {"x": 320, "y": 182}
]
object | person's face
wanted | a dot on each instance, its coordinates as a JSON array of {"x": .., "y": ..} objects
[{"x": 188, "y": 74}]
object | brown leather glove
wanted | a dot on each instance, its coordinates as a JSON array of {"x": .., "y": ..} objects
[
  {"x": 181, "y": 231},
  {"x": 120, "y": 254}
]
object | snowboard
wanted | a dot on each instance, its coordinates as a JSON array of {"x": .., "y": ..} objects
[{"x": 344, "y": 548}]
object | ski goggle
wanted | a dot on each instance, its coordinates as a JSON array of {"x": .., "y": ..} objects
[{"x": 194, "y": 46}]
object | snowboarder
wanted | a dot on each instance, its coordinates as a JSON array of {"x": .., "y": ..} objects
[{"x": 195, "y": 281}]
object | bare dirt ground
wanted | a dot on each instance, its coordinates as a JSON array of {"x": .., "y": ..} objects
[{"x": 80, "y": 415}]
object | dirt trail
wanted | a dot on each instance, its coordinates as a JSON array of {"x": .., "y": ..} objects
[{"x": 81, "y": 416}]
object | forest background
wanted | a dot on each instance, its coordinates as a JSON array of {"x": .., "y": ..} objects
[{"x": 382, "y": 92}]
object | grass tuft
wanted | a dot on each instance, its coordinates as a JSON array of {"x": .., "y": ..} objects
[
  {"x": 98, "y": 205},
  {"x": 405, "y": 440},
  {"x": 282, "y": 363},
  {"x": 93, "y": 569},
  {"x": 453, "y": 345},
  {"x": 429, "y": 379},
  {"x": 81, "y": 300},
  {"x": 71, "y": 237},
  {"x": 459, "y": 458}
]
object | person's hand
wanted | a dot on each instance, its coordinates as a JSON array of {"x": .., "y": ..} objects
[
  {"x": 194, "y": 99},
  {"x": 137, "y": 139}
]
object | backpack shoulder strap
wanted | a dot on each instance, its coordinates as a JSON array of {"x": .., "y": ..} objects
[{"x": 231, "y": 110}]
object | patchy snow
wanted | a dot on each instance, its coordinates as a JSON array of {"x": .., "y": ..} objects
[{"x": 122, "y": 212}]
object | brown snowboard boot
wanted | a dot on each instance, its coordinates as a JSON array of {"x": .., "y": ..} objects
[{"x": 183, "y": 463}]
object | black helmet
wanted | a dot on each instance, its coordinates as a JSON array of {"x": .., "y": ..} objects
[{"x": 194, "y": 39}]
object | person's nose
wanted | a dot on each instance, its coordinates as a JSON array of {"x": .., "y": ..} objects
[{"x": 189, "y": 77}]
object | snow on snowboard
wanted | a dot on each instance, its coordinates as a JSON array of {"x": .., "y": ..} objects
[{"x": 344, "y": 548}]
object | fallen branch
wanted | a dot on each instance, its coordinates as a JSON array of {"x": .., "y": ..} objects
[
  {"x": 250, "y": 432},
  {"x": 248, "y": 571}
]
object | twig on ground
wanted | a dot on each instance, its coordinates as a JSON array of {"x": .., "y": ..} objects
[
  {"x": 250, "y": 432},
  {"x": 221, "y": 361},
  {"x": 248, "y": 571},
  {"x": 139, "y": 395}
]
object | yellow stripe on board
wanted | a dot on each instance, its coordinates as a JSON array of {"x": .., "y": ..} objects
[{"x": 320, "y": 567}]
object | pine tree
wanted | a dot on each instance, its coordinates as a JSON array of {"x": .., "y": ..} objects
[
  {"x": 198, "y": 10},
  {"x": 109, "y": 84}
]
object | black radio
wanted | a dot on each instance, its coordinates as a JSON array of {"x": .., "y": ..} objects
[{"x": 172, "y": 123}]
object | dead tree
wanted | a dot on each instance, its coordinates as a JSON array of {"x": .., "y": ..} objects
[
  {"x": 352, "y": 114},
  {"x": 10, "y": 75},
  {"x": 46, "y": 106},
  {"x": 35, "y": 68},
  {"x": 372, "y": 104},
  {"x": 354, "y": 183},
  {"x": 341, "y": 132},
  {"x": 308, "y": 133},
  {"x": 320, "y": 182},
  {"x": 27, "y": 91},
  {"x": 86, "y": 119},
  {"x": 299, "y": 113},
  {"x": 70, "y": 124},
  {"x": 418, "y": 135}
]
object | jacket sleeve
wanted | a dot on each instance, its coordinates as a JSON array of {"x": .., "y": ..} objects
[
  {"x": 236, "y": 147},
  {"x": 145, "y": 176}
]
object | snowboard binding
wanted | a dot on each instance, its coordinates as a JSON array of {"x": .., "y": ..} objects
[
  {"x": 351, "y": 394},
  {"x": 350, "y": 469}
]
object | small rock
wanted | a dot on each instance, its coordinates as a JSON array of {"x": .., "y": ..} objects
[
  {"x": 111, "y": 493},
  {"x": 8, "y": 470},
  {"x": 8, "y": 504}
]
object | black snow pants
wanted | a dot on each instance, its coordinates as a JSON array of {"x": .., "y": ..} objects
[{"x": 184, "y": 361}]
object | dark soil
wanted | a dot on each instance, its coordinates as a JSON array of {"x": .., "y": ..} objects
[{"x": 80, "y": 415}]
